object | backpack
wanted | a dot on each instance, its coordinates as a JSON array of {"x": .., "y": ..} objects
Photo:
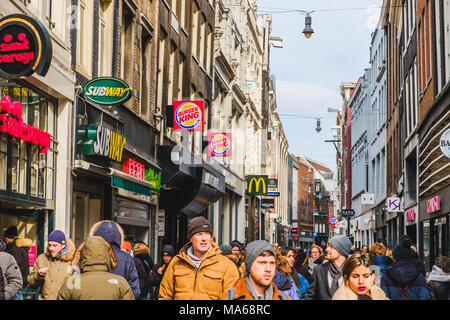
[
  {"x": 403, "y": 294},
  {"x": 2, "y": 285}
]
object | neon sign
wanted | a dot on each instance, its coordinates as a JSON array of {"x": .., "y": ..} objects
[
  {"x": 434, "y": 204},
  {"x": 14, "y": 126},
  {"x": 134, "y": 168}
]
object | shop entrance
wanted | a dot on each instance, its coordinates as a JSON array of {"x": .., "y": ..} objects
[
  {"x": 440, "y": 235},
  {"x": 411, "y": 232},
  {"x": 86, "y": 211}
]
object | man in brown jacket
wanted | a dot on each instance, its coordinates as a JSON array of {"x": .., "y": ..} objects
[
  {"x": 95, "y": 282},
  {"x": 199, "y": 271},
  {"x": 52, "y": 267}
]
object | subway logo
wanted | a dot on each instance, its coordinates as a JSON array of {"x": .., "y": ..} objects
[{"x": 107, "y": 91}]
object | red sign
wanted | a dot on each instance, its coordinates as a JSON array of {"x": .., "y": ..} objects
[
  {"x": 15, "y": 127},
  {"x": 219, "y": 144},
  {"x": 134, "y": 168},
  {"x": 188, "y": 115},
  {"x": 333, "y": 220},
  {"x": 410, "y": 215},
  {"x": 434, "y": 204},
  {"x": 32, "y": 255}
]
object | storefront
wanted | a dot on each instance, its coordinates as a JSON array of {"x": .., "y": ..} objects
[{"x": 410, "y": 216}]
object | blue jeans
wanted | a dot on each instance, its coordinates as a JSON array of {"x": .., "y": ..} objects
[{"x": 19, "y": 295}]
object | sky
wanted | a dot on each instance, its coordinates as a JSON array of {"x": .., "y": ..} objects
[{"x": 308, "y": 72}]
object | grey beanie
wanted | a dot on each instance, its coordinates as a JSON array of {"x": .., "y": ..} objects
[
  {"x": 254, "y": 249},
  {"x": 226, "y": 249},
  {"x": 342, "y": 244}
]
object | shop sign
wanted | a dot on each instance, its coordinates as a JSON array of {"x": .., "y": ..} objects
[
  {"x": 109, "y": 144},
  {"x": 219, "y": 144},
  {"x": 273, "y": 183},
  {"x": 107, "y": 91},
  {"x": 188, "y": 115},
  {"x": 153, "y": 177},
  {"x": 32, "y": 255},
  {"x": 411, "y": 215},
  {"x": 25, "y": 47},
  {"x": 434, "y": 204},
  {"x": 317, "y": 186},
  {"x": 368, "y": 198},
  {"x": 11, "y": 123},
  {"x": 347, "y": 213},
  {"x": 161, "y": 223},
  {"x": 444, "y": 143},
  {"x": 134, "y": 168},
  {"x": 267, "y": 203},
  {"x": 394, "y": 204},
  {"x": 273, "y": 194},
  {"x": 257, "y": 185}
]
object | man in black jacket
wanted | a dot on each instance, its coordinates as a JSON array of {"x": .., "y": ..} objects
[
  {"x": 21, "y": 257},
  {"x": 326, "y": 277}
]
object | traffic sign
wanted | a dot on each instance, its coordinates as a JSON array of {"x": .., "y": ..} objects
[{"x": 333, "y": 220}]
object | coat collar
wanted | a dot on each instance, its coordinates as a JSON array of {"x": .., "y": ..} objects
[
  {"x": 70, "y": 253},
  {"x": 241, "y": 292},
  {"x": 213, "y": 252}
]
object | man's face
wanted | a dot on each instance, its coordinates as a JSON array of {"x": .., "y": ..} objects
[
  {"x": 361, "y": 280},
  {"x": 263, "y": 270},
  {"x": 8, "y": 240},
  {"x": 55, "y": 248},
  {"x": 167, "y": 259},
  {"x": 290, "y": 257},
  {"x": 201, "y": 241},
  {"x": 332, "y": 253},
  {"x": 236, "y": 251}
]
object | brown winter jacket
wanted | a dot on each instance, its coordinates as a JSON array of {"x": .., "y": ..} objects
[
  {"x": 239, "y": 262},
  {"x": 59, "y": 269},
  {"x": 182, "y": 281},
  {"x": 95, "y": 282},
  {"x": 241, "y": 292}
]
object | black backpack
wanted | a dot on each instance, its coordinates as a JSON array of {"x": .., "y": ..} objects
[
  {"x": 403, "y": 295},
  {"x": 2, "y": 285}
]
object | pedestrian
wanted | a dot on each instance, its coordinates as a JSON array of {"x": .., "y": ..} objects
[
  {"x": 365, "y": 249},
  {"x": 314, "y": 257},
  {"x": 199, "y": 271},
  {"x": 404, "y": 280},
  {"x": 378, "y": 257},
  {"x": 439, "y": 279},
  {"x": 11, "y": 278},
  {"x": 142, "y": 255},
  {"x": 299, "y": 258},
  {"x": 327, "y": 277},
  {"x": 21, "y": 257},
  {"x": 300, "y": 282},
  {"x": 97, "y": 259},
  {"x": 52, "y": 267},
  {"x": 126, "y": 247},
  {"x": 359, "y": 281},
  {"x": 283, "y": 280},
  {"x": 261, "y": 264},
  {"x": 113, "y": 234},
  {"x": 227, "y": 251},
  {"x": 159, "y": 269}
]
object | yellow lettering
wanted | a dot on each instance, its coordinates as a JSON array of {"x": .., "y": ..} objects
[
  {"x": 111, "y": 145},
  {"x": 109, "y": 91}
]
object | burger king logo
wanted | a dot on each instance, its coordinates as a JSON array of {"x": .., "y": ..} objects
[
  {"x": 188, "y": 115},
  {"x": 219, "y": 144}
]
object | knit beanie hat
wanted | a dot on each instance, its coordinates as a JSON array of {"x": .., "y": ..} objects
[
  {"x": 57, "y": 236},
  {"x": 168, "y": 250},
  {"x": 11, "y": 232},
  {"x": 342, "y": 244},
  {"x": 254, "y": 249},
  {"x": 226, "y": 249},
  {"x": 199, "y": 224},
  {"x": 236, "y": 244},
  {"x": 404, "y": 251}
]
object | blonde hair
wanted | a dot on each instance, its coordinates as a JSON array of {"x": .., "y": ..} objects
[
  {"x": 282, "y": 262},
  {"x": 377, "y": 249},
  {"x": 309, "y": 252},
  {"x": 353, "y": 261}
]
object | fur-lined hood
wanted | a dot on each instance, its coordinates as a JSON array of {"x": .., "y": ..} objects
[
  {"x": 70, "y": 253},
  {"x": 141, "y": 251},
  {"x": 95, "y": 251},
  {"x": 109, "y": 230},
  {"x": 345, "y": 293}
]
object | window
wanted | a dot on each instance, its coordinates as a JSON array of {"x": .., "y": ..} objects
[
  {"x": 174, "y": 7},
  {"x": 105, "y": 38},
  {"x": 3, "y": 160},
  {"x": 127, "y": 44},
  {"x": 194, "y": 35},
  {"x": 146, "y": 73},
  {"x": 172, "y": 70},
  {"x": 180, "y": 77},
  {"x": 162, "y": 49},
  {"x": 209, "y": 49},
  {"x": 84, "y": 32},
  {"x": 183, "y": 13},
  {"x": 202, "y": 40},
  {"x": 56, "y": 17}
]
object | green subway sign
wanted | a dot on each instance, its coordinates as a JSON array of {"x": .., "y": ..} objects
[{"x": 107, "y": 91}]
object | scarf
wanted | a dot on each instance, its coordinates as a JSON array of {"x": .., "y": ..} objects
[
  {"x": 437, "y": 274},
  {"x": 268, "y": 293},
  {"x": 335, "y": 273},
  {"x": 311, "y": 265}
]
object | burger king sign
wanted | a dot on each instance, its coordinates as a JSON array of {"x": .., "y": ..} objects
[
  {"x": 219, "y": 144},
  {"x": 188, "y": 115}
]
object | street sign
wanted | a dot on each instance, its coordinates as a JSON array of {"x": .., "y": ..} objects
[
  {"x": 347, "y": 213},
  {"x": 268, "y": 203},
  {"x": 273, "y": 194},
  {"x": 333, "y": 220}
]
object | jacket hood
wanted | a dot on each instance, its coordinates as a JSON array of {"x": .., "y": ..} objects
[
  {"x": 403, "y": 272},
  {"x": 281, "y": 280},
  {"x": 97, "y": 254},
  {"x": 2, "y": 245},
  {"x": 144, "y": 251},
  {"x": 437, "y": 274},
  {"x": 382, "y": 260},
  {"x": 110, "y": 231},
  {"x": 70, "y": 252}
]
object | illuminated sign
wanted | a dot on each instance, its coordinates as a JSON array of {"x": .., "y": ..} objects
[
  {"x": 188, "y": 115},
  {"x": 14, "y": 126},
  {"x": 317, "y": 186},
  {"x": 257, "y": 185},
  {"x": 411, "y": 215},
  {"x": 434, "y": 204},
  {"x": 134, "y": 168},
  {"x": 154, "y": 177},
  {"x": 25, "y": 47},
  {"x": 107, "y": 91},
  {"x": 219, "y": 144},
  {"x": 98, "y": 140}
]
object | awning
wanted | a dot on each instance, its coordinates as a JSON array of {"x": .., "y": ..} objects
[{"x": 128, "y": 182}]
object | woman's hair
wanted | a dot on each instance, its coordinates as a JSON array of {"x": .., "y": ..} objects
[
  {"x": 285, "y": 250},
  {"x": 282, "y": 262},
  {"x": 139, "y": 245},
  {"x": 309, "y": 252},
  {"x": 443, "y": 262},
  {"x": 378, "y": 249},
  {"x": 353, "y": 261}
]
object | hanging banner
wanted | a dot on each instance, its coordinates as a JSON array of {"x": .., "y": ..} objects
[
  {"x": 219, "y": 144},
  {"x": 188, "y": 115},
  {"x": 25, "y": 47}
]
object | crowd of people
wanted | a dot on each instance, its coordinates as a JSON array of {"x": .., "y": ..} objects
[{"x": 106, "y": 267}]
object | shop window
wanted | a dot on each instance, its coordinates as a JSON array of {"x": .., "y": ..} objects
[
  {"x": 426, "y": 244},
  {"x": 3, "y": 159}
]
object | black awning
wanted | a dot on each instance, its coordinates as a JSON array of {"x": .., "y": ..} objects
[{"x": 190, "y": 184}]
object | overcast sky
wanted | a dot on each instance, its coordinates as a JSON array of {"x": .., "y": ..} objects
[{"x": 308, "y": 72}]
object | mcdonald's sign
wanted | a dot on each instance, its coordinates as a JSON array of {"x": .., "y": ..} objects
[{"x": 257, "y": 185}]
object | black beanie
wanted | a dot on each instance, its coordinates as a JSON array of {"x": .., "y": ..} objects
[
  {"x": 11, "y": 232},
  {"x": 404, "y": 251}
]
